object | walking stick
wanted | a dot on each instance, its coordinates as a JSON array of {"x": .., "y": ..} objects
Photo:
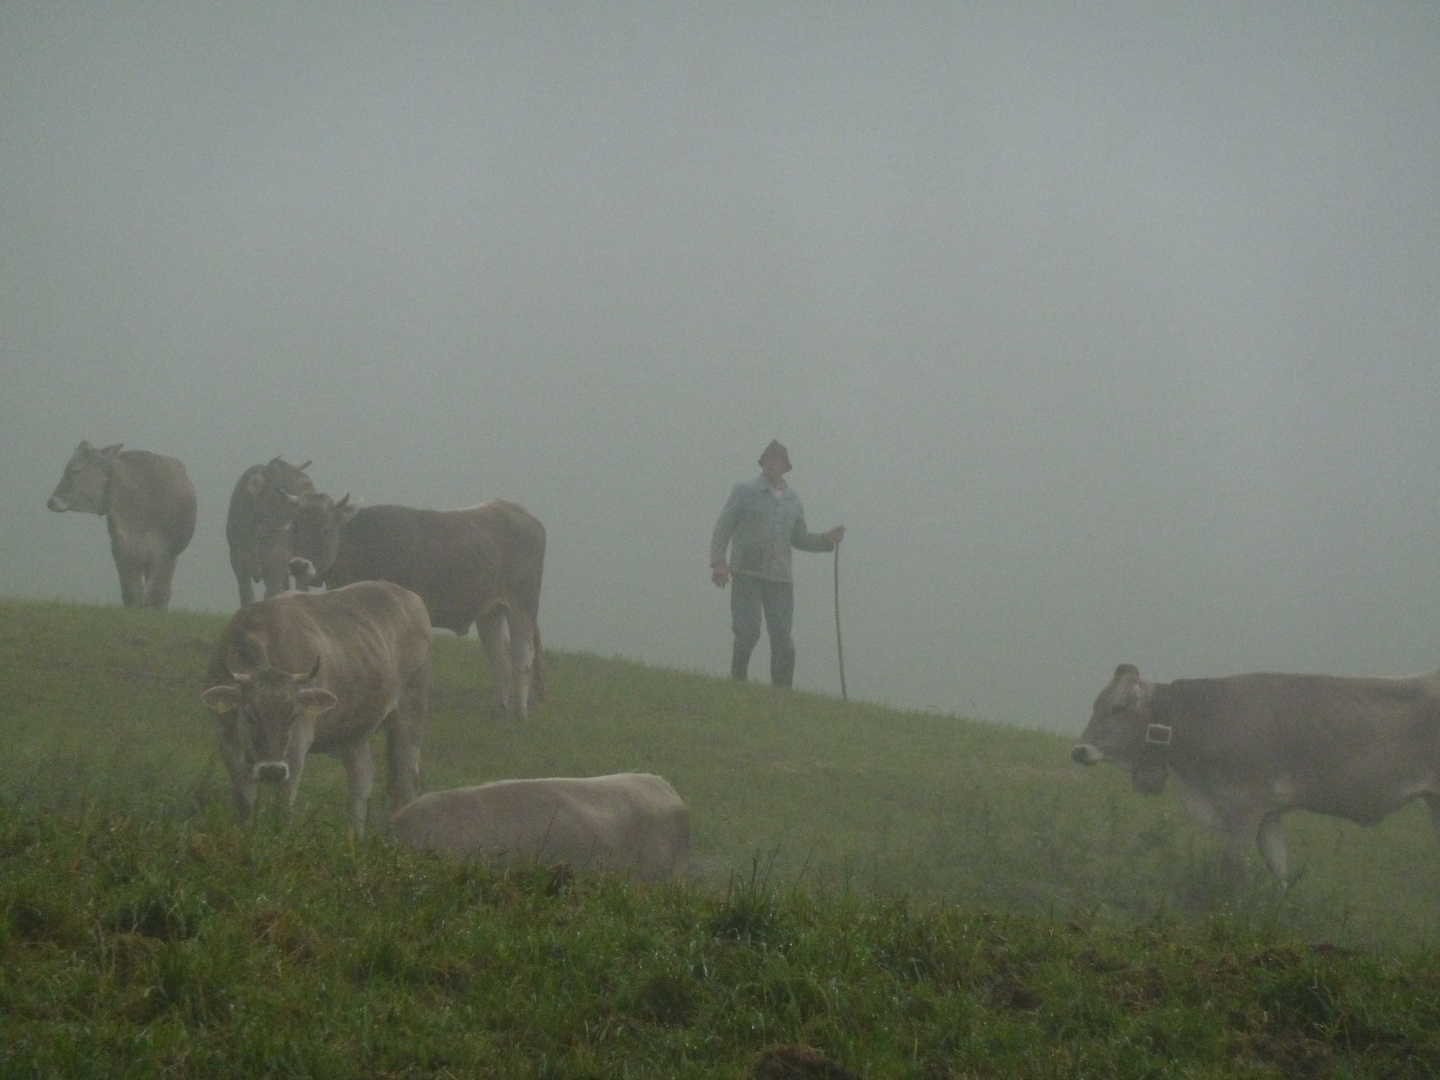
[{"x": 839, "y": 641}]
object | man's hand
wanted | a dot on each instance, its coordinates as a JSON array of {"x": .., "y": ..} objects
[
  {"x": 720, "y": 573},
  {"x": 836, "y": 534}
]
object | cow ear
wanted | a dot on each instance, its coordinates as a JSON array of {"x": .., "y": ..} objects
[
  {"x": 316, "y": 701},
  {"x": 255, "y": 484},
  {"x": 221, "y": 699},
  {"x": 1127, "y": 670}
]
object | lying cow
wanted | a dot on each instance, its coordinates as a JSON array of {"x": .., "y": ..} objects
[
  {"x": 1247, "y": 749},
  {"x": 480, "y": 566},
  {"x": 149, "y": 507},
  {"x": 633, "y": 823},
  {"x": 301, "y": 673},
  {"x": 258, "y": 526}
]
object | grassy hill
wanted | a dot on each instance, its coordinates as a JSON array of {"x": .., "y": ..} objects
[
  {"x": 839, "y": 796},
  {"x": 913, "y": 894}
]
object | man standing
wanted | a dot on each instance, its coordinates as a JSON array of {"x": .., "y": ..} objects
[{"x": 763, "y": 520}]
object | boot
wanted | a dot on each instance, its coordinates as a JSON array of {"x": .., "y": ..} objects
[
  {"x": 739, "y": 662},
  {"x": 782, "y": 666}
]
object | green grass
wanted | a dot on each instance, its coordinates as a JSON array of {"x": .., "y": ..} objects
[{"x": 911, "y": 894}]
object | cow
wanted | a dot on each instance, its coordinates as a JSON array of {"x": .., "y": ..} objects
[
  {"x": 1247, "y": 749},
  {"x": 630, "y": 823},
  {"x": 258, "y": 526},
  {"x": 320, "y": 672},
  {"x": 149, "y": 507},
  {"x": 480, "y": 566}
]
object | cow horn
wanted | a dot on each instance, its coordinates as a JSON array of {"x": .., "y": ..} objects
[
  {"x": 273, "y": 462},
  {"x": 314, "y": 670},
  {"x": 344, "y": 501},
  {"x": 294, "y": 500},
  {"x": 302, "y": 468}
]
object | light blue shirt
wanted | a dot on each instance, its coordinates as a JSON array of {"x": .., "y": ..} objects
[{"x": 761, "y": 527}]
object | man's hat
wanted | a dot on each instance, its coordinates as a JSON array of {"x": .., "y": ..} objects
[{"x": 776, "y": 449}]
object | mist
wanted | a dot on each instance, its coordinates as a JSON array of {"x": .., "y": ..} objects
[{"x": 1110, "y": 333}]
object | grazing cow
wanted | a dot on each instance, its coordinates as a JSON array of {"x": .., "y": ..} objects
[
  {"x": 258, "y": 526},
  {"x": 480, "y": 566},
  {"x": 149, "y": 507},
  {"x": 633, "y": 823},
  {"x": 1247, "y": 749},
  {"x": 300, "y": 673}
]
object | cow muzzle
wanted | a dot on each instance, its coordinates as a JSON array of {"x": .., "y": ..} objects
[
  {"x": 57, "y": 504},
  {"x": 276, "y": 771},
  {"x": 1087, "y": 754}
]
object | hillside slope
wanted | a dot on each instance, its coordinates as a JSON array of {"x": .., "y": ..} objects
[{"x": 793, "y": 788}]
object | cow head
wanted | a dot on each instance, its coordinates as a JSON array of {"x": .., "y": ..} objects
[
  {"x": 315, "y": 534},
  {"x": 85, "y": 485},
  {"x": 262, "y": 710},
  {"x": 279, "y": 482},
  {"x": 1120, "y": 730}
]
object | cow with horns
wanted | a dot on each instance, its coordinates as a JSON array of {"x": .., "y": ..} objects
[{"x": 320, "y": 672}]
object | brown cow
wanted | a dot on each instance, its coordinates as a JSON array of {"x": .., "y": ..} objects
[
  {"x": 149, "y": 507},
  {"x": 258, "y": 526},
  {"x": 300, "y": 673},
  {"x": 1247, "y": 749},
  {"x": 632, "y": 823},
  {"x": 480, "y": 566}
]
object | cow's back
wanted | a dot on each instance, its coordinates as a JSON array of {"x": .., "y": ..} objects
[
  {"x": 151, "y": 495},
  {"x": 1342, "y": 746},
  {"x": 458, "y": 561}
]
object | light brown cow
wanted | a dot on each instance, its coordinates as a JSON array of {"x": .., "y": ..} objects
[
  {"x": 1247, "y": 749},
  {"x": 258, "y": 525},
  {"x": 149, "y": 507},
  {"x": 480, "y": 566},
  {"x": 632, "y": 823},
  {"x": 300, "y": 673}
]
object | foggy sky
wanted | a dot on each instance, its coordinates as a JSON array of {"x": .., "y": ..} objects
[{"x": 1111, "y": 332}]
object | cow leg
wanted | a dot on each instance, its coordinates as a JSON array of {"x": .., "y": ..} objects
[
  {"x": 522, "y": 661},
  {"x": 402, "y": 732},
  {"x": 132, "y": 581},
  {"x": 360, "y": 771},
  {"x": 1242, "y": 828},
  {"x": 1271, "y": 840},
  {"x": 493, "y": 632},
  {"x": 244, "y": 575},
  {"x": 276, "y": 577},
  {"x": 157, "y": 590},
  {"x": 537, "y": 674}
]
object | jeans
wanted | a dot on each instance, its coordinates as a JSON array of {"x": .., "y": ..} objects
[{"x": 749, "y": 597}]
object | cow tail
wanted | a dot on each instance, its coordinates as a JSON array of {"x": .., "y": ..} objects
[{"x": 537, "y": 673}]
